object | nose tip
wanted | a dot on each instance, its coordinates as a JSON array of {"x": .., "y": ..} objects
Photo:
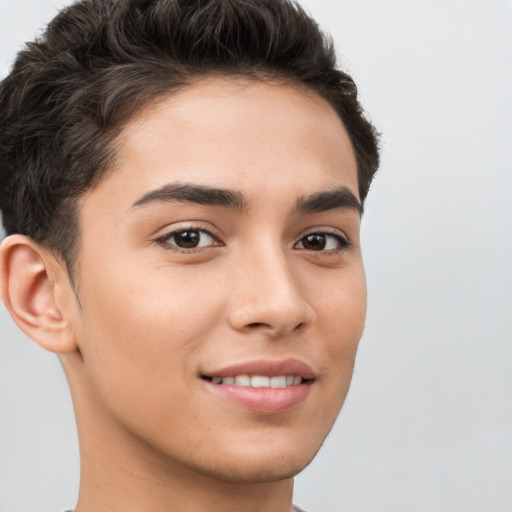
[{"x": 275, "y": 321}]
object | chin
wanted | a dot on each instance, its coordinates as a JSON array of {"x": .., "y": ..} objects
[
  {"x": 248, "y": 467},
  {"x": 259, "y": 472}
]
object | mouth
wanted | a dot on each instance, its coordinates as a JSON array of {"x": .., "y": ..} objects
[
  {"x": 259, "y": 381},
  {"x": 268, "y": 387}
]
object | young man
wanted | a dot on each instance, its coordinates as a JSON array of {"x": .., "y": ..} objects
[{"x": 181, "y": 183}]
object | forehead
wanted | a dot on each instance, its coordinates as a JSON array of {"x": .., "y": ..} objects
[{"x": 240, "y": 134}]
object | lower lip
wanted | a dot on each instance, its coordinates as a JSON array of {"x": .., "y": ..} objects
[{"x": 264, "y": 400}]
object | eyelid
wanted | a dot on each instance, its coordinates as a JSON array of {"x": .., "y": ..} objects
[
  {"x": 163, "y": 239},
  {"x": 173, "y": 230},
  {"x": 343, "y": 239}
]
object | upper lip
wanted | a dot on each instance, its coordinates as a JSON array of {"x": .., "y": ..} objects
[{"x": 265, "y": 367}]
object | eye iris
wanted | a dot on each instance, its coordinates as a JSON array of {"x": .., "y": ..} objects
[
  {"x": 314, "y": 242},
  {"x": 187, "y": 239}
]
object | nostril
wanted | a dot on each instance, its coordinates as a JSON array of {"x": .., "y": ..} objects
[
  {"x": 256, "y": 325},
  {"x": 259, "y": 324}
]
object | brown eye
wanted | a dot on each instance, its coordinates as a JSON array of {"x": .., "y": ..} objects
[
  {"x": 314, "y": 242},
  {"x": 188, "y": 239},
  {"x": 322, "y": 242}
]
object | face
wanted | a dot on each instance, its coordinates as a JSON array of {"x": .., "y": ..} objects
[{"x": 221, "y": 281}]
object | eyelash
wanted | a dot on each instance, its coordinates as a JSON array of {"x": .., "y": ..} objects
[
  {"x": 342, "y": 241},
  {"x": 165, "y": 240}
]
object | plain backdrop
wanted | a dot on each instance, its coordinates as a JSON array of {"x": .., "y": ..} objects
[{"x": 427, "y": 425}]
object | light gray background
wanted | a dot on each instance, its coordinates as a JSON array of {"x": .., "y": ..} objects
[{"x": 427, "y": 425}]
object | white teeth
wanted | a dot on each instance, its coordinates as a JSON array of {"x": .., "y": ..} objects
[
  {"x": 243, "y": 380},
  {"x": 259, "y": 381},
  {"x": 278, "y": 382}
]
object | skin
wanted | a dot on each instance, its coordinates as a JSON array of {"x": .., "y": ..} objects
[{"x": 154, "y": 317}]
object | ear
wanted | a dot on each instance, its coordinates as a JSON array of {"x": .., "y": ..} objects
[{"x": 33, "y": 282}]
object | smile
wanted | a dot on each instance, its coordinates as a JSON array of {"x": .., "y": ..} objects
[
  {"x": 259, "y": 381},
  {"x": 263, "y": 386}
]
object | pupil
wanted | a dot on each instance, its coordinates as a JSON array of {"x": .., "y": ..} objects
[
  {"x": 187, "y": 239},
  {"x": 314, "y": 242}
]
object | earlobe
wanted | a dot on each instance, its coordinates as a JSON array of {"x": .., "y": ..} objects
[{"x": 29, "y": 277}]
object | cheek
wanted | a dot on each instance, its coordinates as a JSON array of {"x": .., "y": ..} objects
[
  {"x": 342, "y": 309},
  {"x": 152, "y": 301},
  {"x": 341, "y": 319},
  {"x": 141, "y": 332}
]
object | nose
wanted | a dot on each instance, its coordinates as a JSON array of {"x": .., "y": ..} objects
[{"x": 267, "y": 296}]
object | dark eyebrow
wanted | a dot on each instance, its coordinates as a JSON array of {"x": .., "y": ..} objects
[
  {"x": 341, "y": 197},
  {"x": 190, "y": 193}
]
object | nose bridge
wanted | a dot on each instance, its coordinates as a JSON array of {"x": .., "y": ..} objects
[{"x": 267, "y": 294}]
